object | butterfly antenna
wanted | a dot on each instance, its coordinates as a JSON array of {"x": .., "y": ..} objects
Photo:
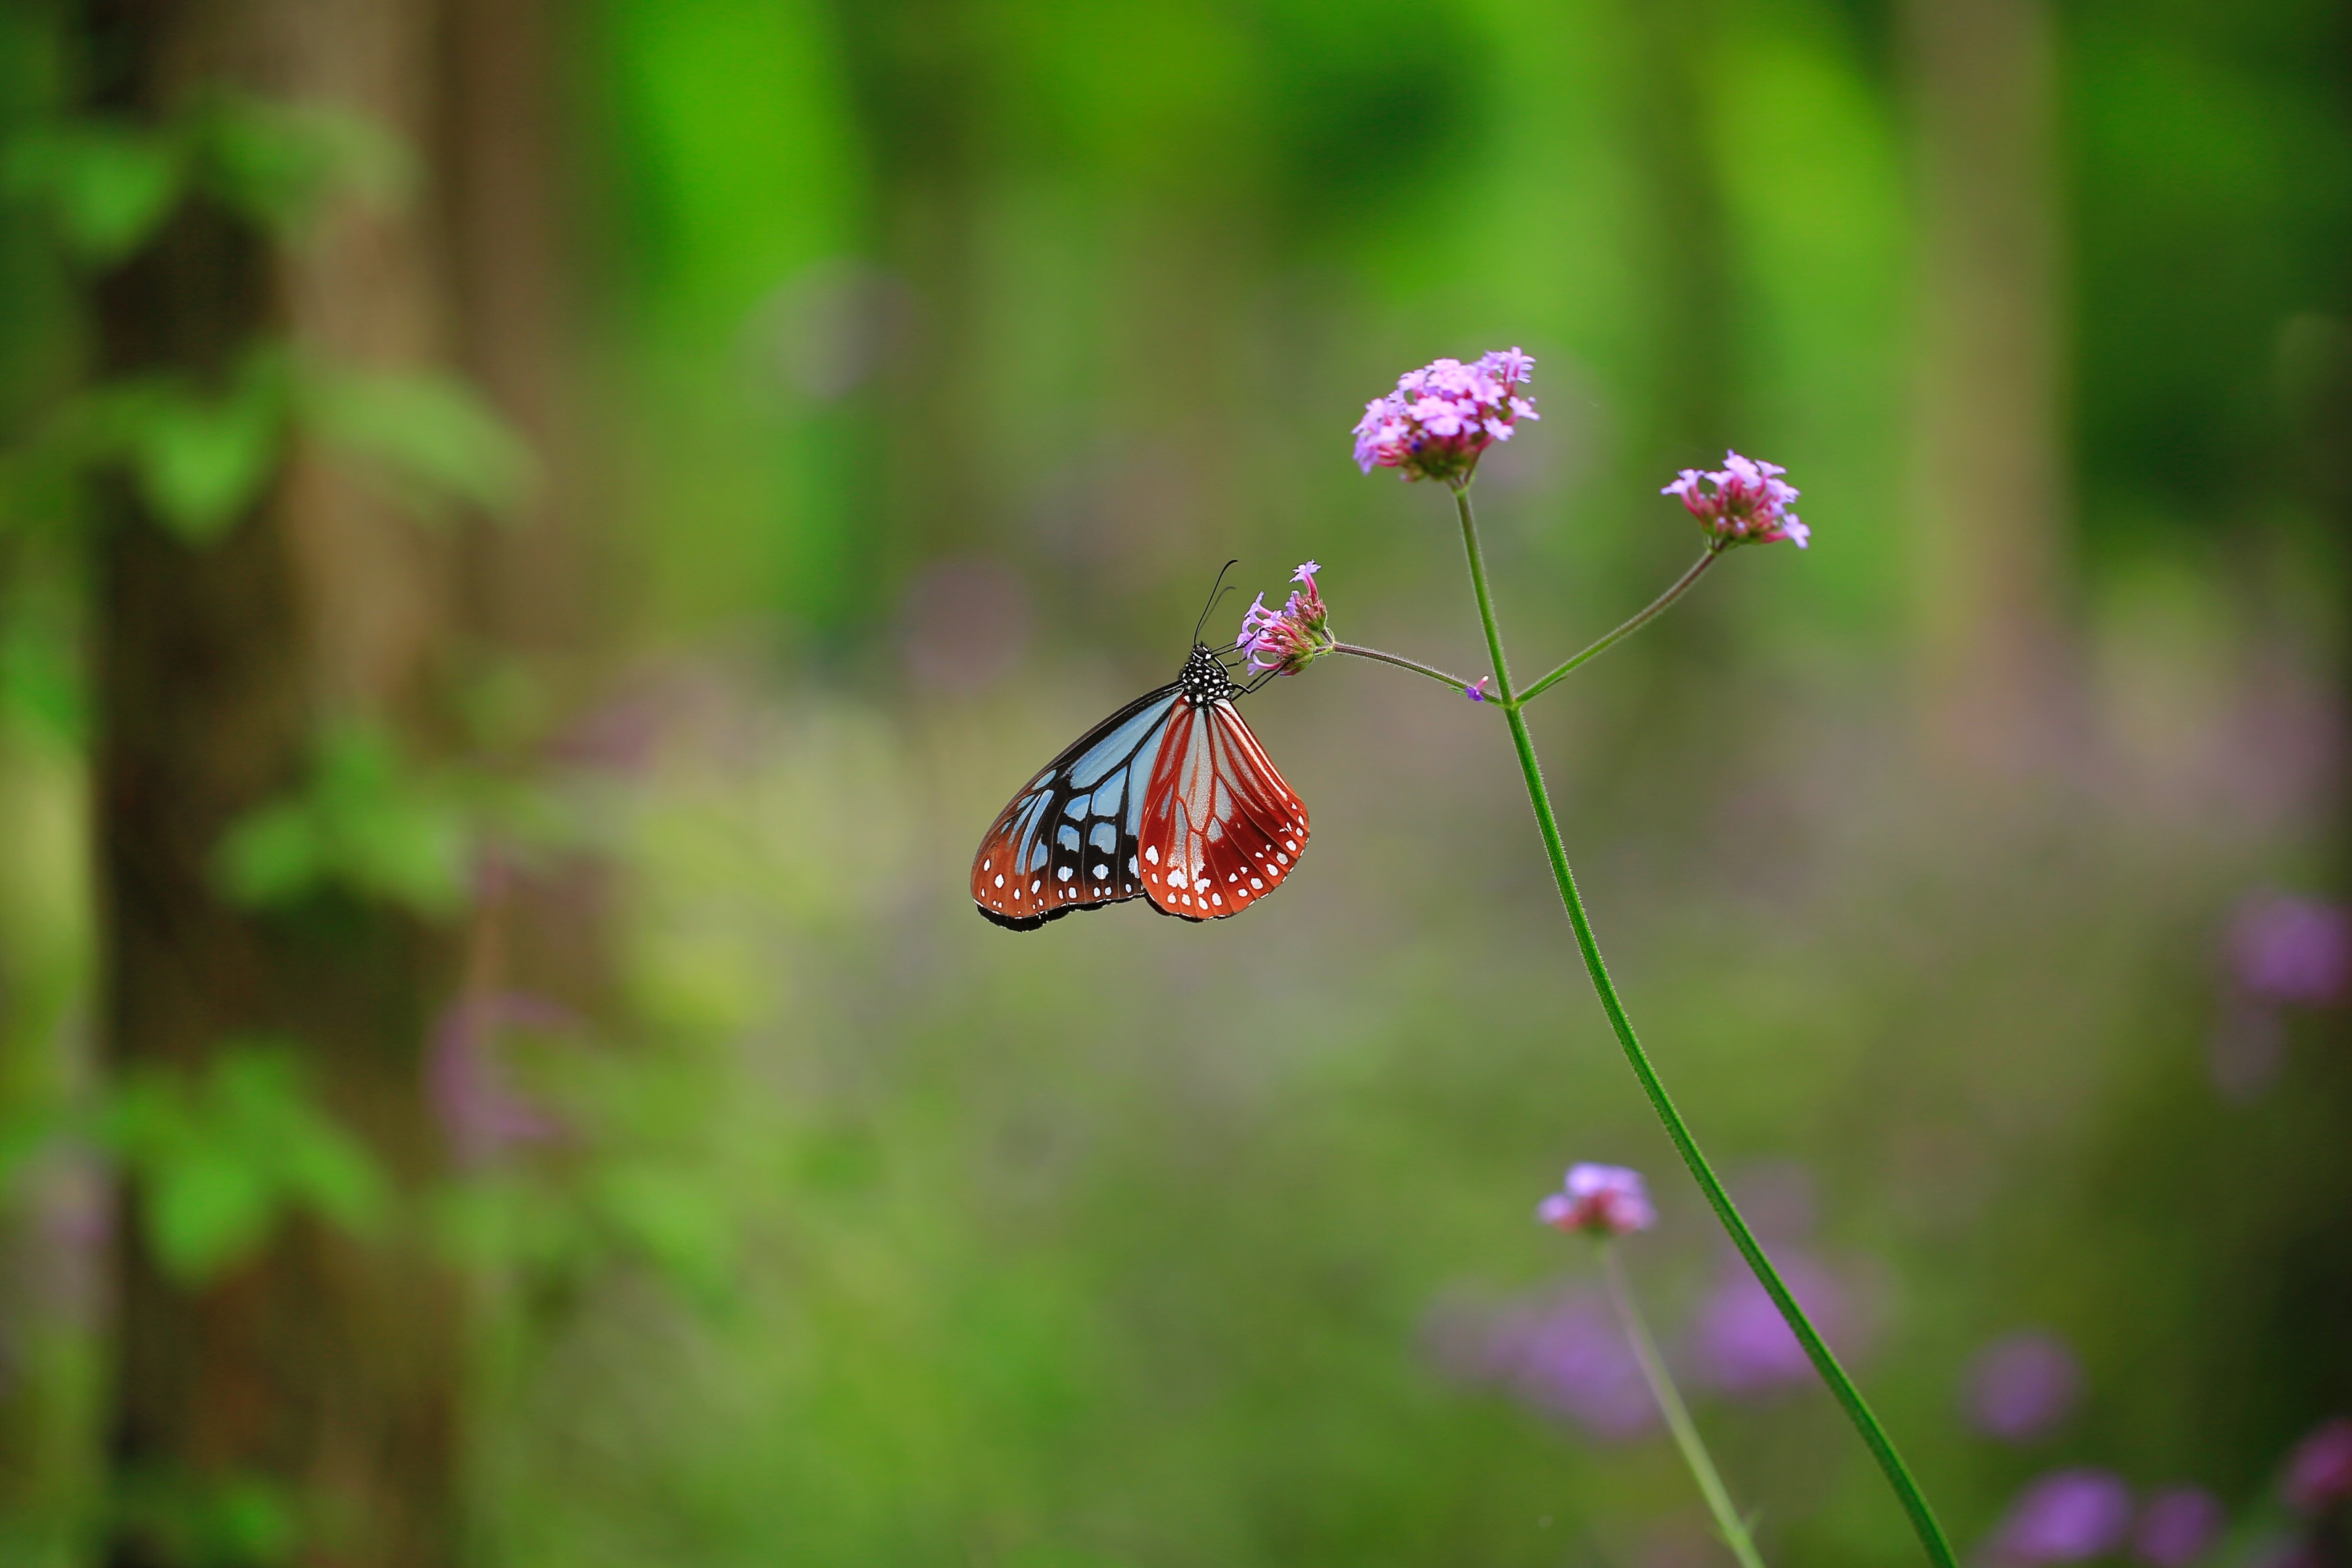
[{"x": 1217, "y": 591}]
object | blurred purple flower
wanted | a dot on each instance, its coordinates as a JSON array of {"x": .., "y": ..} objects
[
  {"x": 1741, "y": 1344},
  {"x": 1601, "y": 1200},
  {"x": 2019, "y": 1387},
  {"x": 2064, "y": 1517},
  {"x": 1561, "y": 1353},
  {"x": 1477, "y": 690},
  {"x": 467, "y": 1084},
  {"x": 1442, "y": 415},
  {"x": 1567, "y": 1357},
  {"x": 2319, "y": 1472},
  {"x": 2176, "y": 1527},
  {"x": 1744, "y": 502},
  {"x": 2284, "y": 949}
]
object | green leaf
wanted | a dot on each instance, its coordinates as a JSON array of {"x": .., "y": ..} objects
[
  {"x": 674, "y": 1221},
  {"x": 362, "y": 821},
  {"x": 207, "y": 1208},
  {"x": 434, "y": 437},
  {"x": 210, "y": 1520},
  {"x": 278, "y": 163},
  {"x": 200, "y": 467},
  {"x": 222, "y": 1159},
  {"x": 270, "y": 857},
  {"x": 110, "y": 185},
  {"x": 200, "y": 462}
]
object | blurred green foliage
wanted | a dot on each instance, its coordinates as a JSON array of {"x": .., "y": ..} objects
[
  {"x": 220, "y": 1158},
  {"x": 853, "y": 1232},
  {"x": 200, "y": 462},
  {"x": 364, "y": 824},
  {"x": 433, "y": 436},
  {"x": 239, "y": 1521}
]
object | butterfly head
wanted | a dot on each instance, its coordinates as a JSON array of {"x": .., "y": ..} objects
[{"x": 1205, "y": 680}]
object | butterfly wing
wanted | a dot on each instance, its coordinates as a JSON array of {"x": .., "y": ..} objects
[
  {"x": 1220, "y": 828},
  {"x": 1067, "y": 841}
]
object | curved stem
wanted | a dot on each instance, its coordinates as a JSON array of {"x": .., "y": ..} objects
[
  {"x": 1657, "y": 606},
  {"x": 1431, "y": 670},
  {"x": 1671, "y": 1406},
  {"x": 1874, "y": 1435}
]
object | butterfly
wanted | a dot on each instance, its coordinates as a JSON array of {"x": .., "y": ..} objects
[{"x": 1170, "y": 799}]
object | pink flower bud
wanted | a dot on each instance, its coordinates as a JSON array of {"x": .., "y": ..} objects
[{"x": 1601, "y": 1200}]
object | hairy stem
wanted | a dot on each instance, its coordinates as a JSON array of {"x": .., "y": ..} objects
[
  {"x": 1415, "y": 664},
  {"x": 1670, "y": 1406},
  {"x": 1656, "y": 608},
  {"x": 1874, "y": 1435}
]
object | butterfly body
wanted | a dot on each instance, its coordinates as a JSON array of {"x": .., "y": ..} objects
[{"x": 1170, "y": 799}]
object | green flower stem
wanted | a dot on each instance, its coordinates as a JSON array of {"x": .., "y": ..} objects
[
  {"x": 1874, "y": 1435},
  {"x": 1656, "y": 608},
  {"x": 1670, "y": 1406},
  {"x": 1402, "y": 662}
]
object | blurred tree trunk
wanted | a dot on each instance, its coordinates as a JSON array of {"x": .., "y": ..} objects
[
  {"x": 327, "y": 1369},
  {"x": 1987, "y": 495}
]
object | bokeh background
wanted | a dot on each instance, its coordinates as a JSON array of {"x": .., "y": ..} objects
[{"x": 534, "y": 538}]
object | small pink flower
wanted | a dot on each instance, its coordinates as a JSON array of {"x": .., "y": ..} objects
[
  {"x": 1744, "y": 502},
  {"x": 1601, "y": 1200},
  {"x": 1477, "y": 690},
  {"x": 1289, "y": 639},
  {"x": 1442, "y": 415}
]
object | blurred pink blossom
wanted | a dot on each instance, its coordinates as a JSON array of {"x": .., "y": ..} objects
[
  {"x": 2319, "y": 1472},
  {"x": 1601, "y": 1200},
  {"x": 2019, "y": 1387},
  {"x": 466, "y": 1083},
  {"x": 1561, "y": 1353},
  {"x": 2176, "y": 1527},
  {"x": 2284, "y": 949},
  {"x": 1739, "y": 1342},
  {"x": 1568, "y": 1357},
  {"x": 2064, "y": 1517}
]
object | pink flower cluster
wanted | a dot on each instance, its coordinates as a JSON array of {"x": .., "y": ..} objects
[
  {"x": 1746, "y": 502},
  {"x": 1289, "y": 639},
  {"x": 1440, "y": 416},
  {"x": 1601, "y": 1200}
]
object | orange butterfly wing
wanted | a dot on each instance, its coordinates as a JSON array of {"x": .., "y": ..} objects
[{"x": 1221, "y": 827}]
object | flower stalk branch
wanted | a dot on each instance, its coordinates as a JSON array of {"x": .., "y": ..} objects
[
  {"x": 1652, "y": 612},
  {"x": 1826, "y": 1363},
  {"x": 1670, "y": 1406},
  {"x": 1415, "y": 664}
]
